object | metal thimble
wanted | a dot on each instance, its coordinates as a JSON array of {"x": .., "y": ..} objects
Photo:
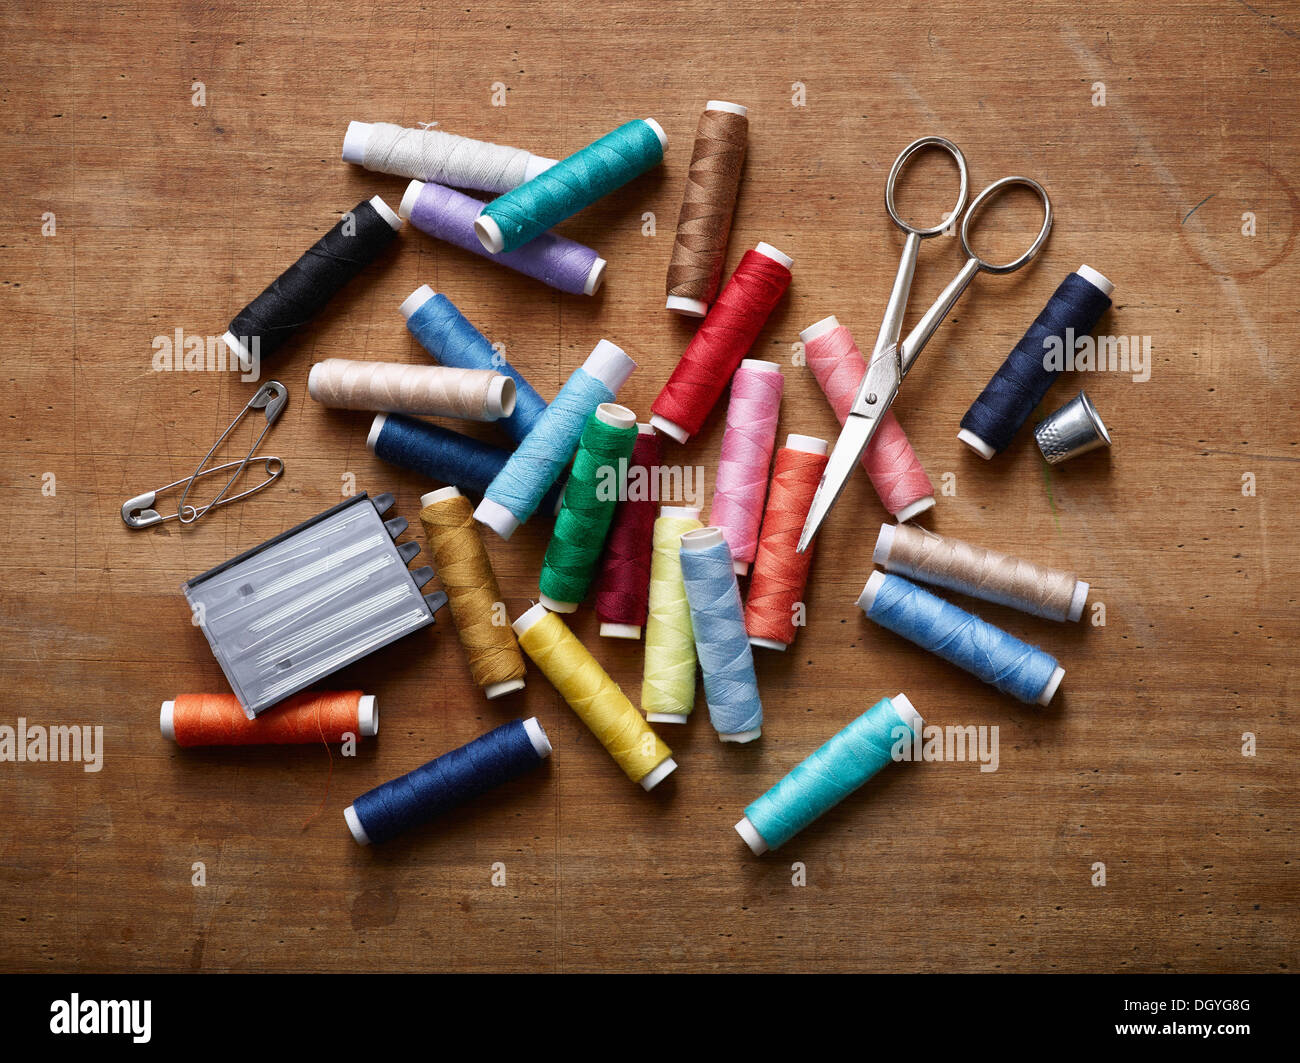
[{"x": 1072, "y": 430}]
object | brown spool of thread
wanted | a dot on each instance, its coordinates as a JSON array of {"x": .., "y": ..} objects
[
  {"x": 462, "y": 563},
  {"x": 700, "y": 250}
]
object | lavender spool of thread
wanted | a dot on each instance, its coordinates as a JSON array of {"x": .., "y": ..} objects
[{"x": 449, "y": 215}]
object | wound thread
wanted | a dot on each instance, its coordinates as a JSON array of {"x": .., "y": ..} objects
[
  {"x": 623, "y": 589},
  {"x": 668, "y": 686},
  {"x": 431, "y": 390},
  {"x": 432, "y": 155},
  {"x": 311, "y": 717}
]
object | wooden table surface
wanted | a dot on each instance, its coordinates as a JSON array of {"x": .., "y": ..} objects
[{"x": 167, "y": 215}]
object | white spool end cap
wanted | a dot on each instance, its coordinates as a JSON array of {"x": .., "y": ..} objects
[
  {"x": 499, "y": 690},
  {"x": 740, "y": 568},
  {"x": 609, "y": 364},
  {"x": 775, "y": 254},
  {"x": 645, "y": 428},
  {"x": 976, "y": 444},
  {"x": 614, "y": 415},
  {"x": 528, "y": 618},
  {"x": 312, "y": 378},
  {"x": 1099, "y": 279},
  {"x": 537, "y": 735},
  {"x": 620, "y": 631},
  {"x": 354, "y": 825},
  {"x": 759, "y": 364},
  {"x": 723, "y": 105},
  {"x": 376, "y": 426},
  {"x": 884, "y": 546},
  {"x": 386, "y": 212},
  {"x": 415, "y": 300},
  {"x": 368, "y": 716},
  {"x": 167, "y": 720},
  {"x": 687, "y": 307},
  {"x": 354, "y": 142},
  {"x": 595, "y": 278},
  {"x": 868, "y": 596},
  {"x": 489, "y": 234},
  {"x": 741, "y": 737},
  {"x": 409, "y": 197},
  {"x": 914, "y": 509},
  {"x": 820, "y": 328},
  {"x": 767, "y": 644},
  {"x": 496, "y": 517},
  {"x": 806, "y": 444},
  {"x": 666, "y": 717},
  {"x": 1045, "y": 695},
  {"x": 537, "y": 164},
  {"x": 237, "y": 348},
  {"x": 658, "y": 773},
  {"x": 752, "y": 838},
  {"x": 681, "y": 512},
  {"x": 500, "y": 398},
  {"x": 702, "y": 538},
  {"x": 668, "y": 428},
  {"x": 557, "y": 607},
  {"x": 1078, "y": 601},
  {"x": 659, "y": 132},
  {"x": 441, "y": 494},
  {"x": 907, "y": 712}
]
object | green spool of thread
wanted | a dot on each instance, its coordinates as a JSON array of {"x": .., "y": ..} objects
[
  {"x": 590, "y": 498},
  {"x": 511, "y": 220}
]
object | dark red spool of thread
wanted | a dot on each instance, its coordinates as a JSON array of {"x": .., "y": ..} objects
[{"x": 623, "y": 590}]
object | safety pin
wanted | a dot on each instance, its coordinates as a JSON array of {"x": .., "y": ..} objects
[
  {"x": 138, "y": 512},
  {"x": 272, "y": 397}
]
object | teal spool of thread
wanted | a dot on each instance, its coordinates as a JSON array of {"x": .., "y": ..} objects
[
  {"x": 514, "y": 218},
  {"x": 829, "y": 775},
  {"x": 596, "y": 482}
]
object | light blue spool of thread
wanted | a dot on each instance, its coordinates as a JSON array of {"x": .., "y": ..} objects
[
  {"x": 829, "y": 775},
  {"x": 998, "y": 658},
  {"x": 514, "y": 494},
  {"x": 721, "y": 642},
  {"x": 448, "y": 336},
  {"x": 515, "y": 217}
]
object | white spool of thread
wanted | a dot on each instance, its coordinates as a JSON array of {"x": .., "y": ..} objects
[{"x": 430, "y": 390}]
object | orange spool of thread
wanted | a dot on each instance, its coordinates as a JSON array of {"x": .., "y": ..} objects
[
  {"x": 780, "y": 571},
  {"x": 313, "y": 716}
]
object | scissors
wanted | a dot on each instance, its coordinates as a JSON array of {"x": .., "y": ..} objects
[{"x": 890, "y": 358}]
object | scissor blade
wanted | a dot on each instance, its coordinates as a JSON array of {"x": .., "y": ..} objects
[{"x": 852, "y": 441}]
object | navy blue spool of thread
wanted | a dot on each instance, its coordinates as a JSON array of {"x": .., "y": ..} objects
[
  {"x": 448, "y": 781},
  {"x": 1022, "y": 380}
]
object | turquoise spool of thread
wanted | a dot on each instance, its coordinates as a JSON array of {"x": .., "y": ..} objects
[
  {"x": 829, "y": 775},
  {"x": 962, "y": 638},
  {"x": 517, "y": 216},
  {"x": 596, "y": 483}
]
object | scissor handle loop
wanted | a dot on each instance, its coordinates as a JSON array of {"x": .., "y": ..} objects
[
  {"x": 982, "y": 201},
  {"x": 917, "y": 145}
]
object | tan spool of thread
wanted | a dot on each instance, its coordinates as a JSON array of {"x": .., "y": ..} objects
[
  {"x": 700, "y": 250},
  {"x": 463, "y": 566},
  {"x": 432, "y": 390},
  {"x": 995, "y": 577}
]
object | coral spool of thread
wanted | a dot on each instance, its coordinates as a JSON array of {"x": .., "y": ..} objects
[
  {"x": 722, "y": 341},
  {"x": 776, "y": 588},
  {"x": 595, "y": 697},
  {"x": 596, "y": 482},
  {"x": 712, "y": 182},
  {"x": 668, "y": 689},
  {"x": 430, "y": 390},
  {"x": 463, "y": 566},
  {"x": 895, "y": 471},
  {"x": 623, "y": 590},
  {"x": 741, "y": 482},
  {"x": 313, "y": 716}
]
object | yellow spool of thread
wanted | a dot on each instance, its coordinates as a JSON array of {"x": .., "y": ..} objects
[
  {"x": 594, "y": 696},
  {"x": 668, "y": 690}
]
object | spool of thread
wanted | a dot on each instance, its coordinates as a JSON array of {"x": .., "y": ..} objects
[
  {"x": 712, "y": 182},
  {"x": 721, "y": 644},
  {"x": 463, "y": 565},
  {"x": 961, "y": 638},
  {"x": 517, "y": 216},
  {"x": 303, "y": 290},
  {"x": 555, "y": 260},
  {"x": 780, "y": 571},
  {"x": 443, "y": 455},
  {"x": 896, "y": 473},
  {"x": 741, "y": 482},
  {"x": 829, "y": 775},
  {"x": 442, "y": 330},
  {"x": 513, "y": 495},
  {"x": 982, "y": 573},
  {"x": 722, "y": 341},
  {"x": 623, "y": 590},
  {"x": 432, "y": 155},
  {"x": 432, "y": 390},
  {"x": 668, "y": 689},
  {"x": 595, "y": 697},
  {"x": 448, "y": 781},
  {"x": 1023, "y": 379},
  {"x": 596, "y": 482},
  {"x": 310, "y": 717}
]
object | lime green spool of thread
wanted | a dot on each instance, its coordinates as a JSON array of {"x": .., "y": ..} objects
[
  {"x": 511, "y": 220},
  {"x": 596, "y": 482},
  {"x": 668, "y": 690}
]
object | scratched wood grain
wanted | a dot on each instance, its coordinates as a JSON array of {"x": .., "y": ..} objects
[{"x": 172, "y": 216}]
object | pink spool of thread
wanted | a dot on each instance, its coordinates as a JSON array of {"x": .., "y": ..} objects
[
  {"x": 896, "y": 473},
  {"x": 741, "y": 485}
]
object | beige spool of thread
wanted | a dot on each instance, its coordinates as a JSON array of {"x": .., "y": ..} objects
[
  {"x": 432, "y": 390},
  {"x": 995, "y": 577}
]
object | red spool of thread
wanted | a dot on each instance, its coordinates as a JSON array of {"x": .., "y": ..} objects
[
  {"x": 623, "y": 590},
  {"x": 780, "y": 571},
  {"x": 724, "y": 338},
  {"x": 313, "y": 716}
]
